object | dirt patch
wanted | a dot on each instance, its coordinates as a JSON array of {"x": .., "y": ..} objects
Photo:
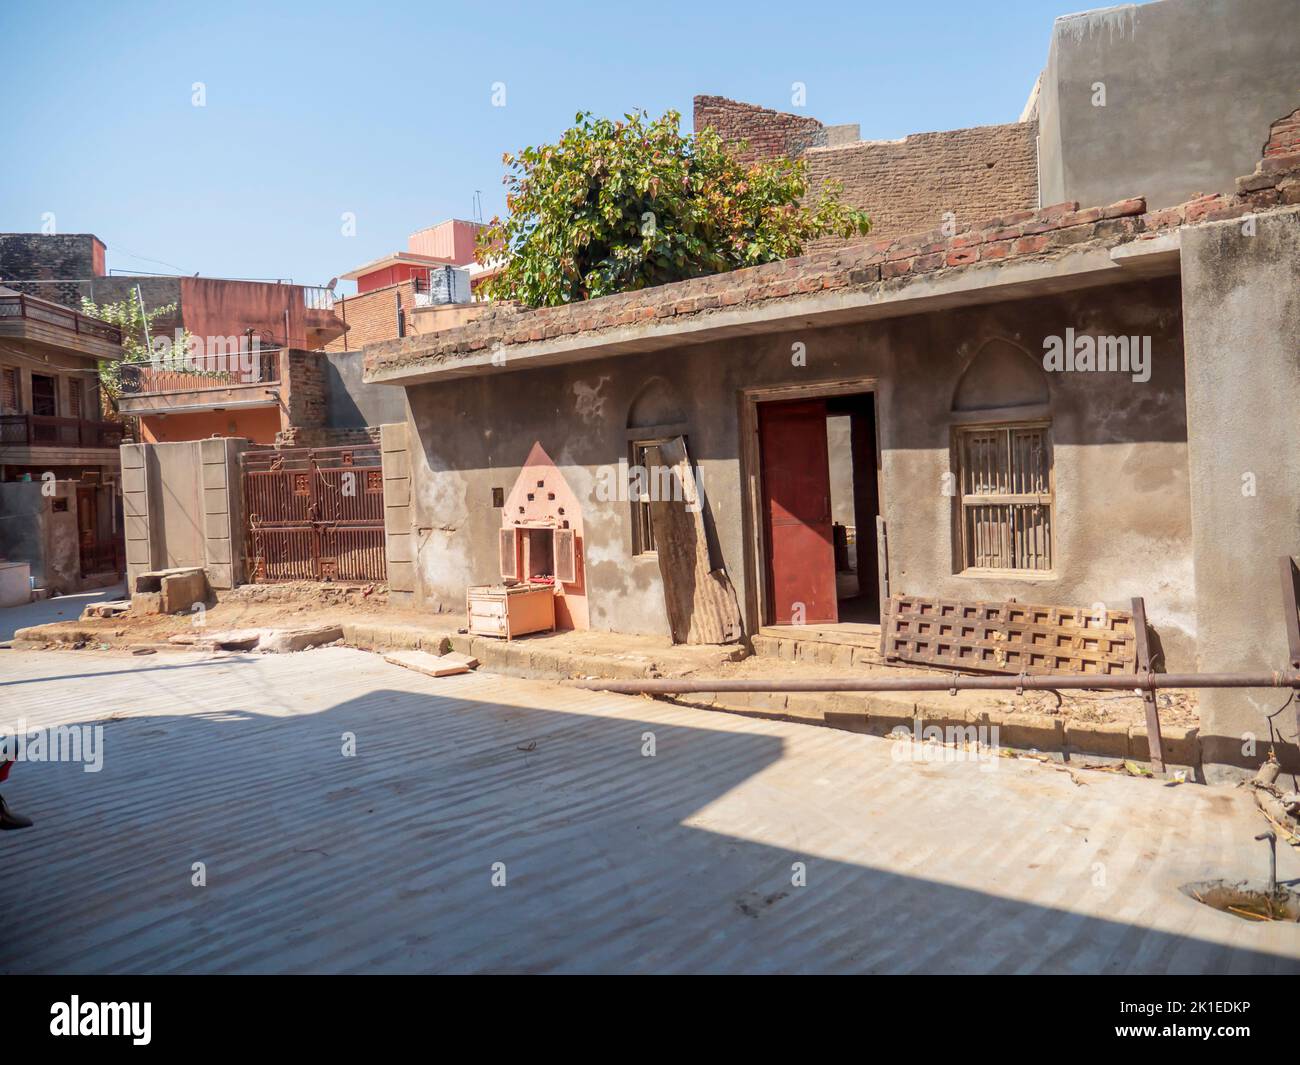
[{"x": 272, "y": 606}]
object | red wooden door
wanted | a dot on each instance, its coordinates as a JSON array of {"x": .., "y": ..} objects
[{"x": 797, "y": 512}]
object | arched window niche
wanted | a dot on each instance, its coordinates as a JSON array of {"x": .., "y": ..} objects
[{"x": 1002, "y": 477}]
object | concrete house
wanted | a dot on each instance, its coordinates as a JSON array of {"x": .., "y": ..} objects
[
  {"x": 59, "y": 510},
  {"x": 1072, "y": 383},
  {"x": 254, "y": 337}
]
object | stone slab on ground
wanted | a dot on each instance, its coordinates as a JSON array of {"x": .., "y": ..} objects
[
  {"x": 229, "y": 640},
  {"x": 447, "y": 665},
  {"x": 286, "y": 641}
]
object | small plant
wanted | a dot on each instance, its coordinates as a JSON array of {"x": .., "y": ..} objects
[
  {"x": 136, "y": 323},
  {"x": 615, "y": 206}
]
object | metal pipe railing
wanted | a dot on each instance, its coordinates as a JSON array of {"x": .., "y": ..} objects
[{"x": 1053, "y": 682}]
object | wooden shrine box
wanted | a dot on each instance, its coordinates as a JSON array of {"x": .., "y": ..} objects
[
  {"x": 529, "y": 550},
  {"x": 510, "y": 610}
]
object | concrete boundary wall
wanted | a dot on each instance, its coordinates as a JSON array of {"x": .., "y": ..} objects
[
  {"x": 183, "y": 505},
  {"x": 1241, "y": 323}
]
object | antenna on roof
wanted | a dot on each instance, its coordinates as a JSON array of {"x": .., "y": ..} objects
[{"x": 478, "y": 205}]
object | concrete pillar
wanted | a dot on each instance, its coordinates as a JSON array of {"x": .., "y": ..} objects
[
  {"x": 223, "y": 514},
  {"x": 138, "y": 529},
  {"x": 1241, "y": 326},
  {"x": 396, "y": 460}
]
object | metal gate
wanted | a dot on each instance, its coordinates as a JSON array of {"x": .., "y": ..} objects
[{"x": 315, "y": 514}]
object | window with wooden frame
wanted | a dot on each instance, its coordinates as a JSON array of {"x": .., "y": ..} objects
[
  {"x": 641, "y": 489},
  {"x": 75, "y": 394},
  {"x": 529, "y": 551},
  {"x": 9, "y": 398},
  {"x": 1004, "y": 478}
]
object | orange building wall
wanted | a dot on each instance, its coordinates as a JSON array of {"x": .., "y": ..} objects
[
  {"x": 389, "y": 275},
  {"x": 258, "y": 424}
]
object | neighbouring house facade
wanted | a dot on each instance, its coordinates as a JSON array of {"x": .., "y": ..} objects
[
  {"x": 59, "y": 467},
  {"x": 428, "y": 287},
  {"x": 247, "y": 330},
  {"x": 1066, "y": 404}
]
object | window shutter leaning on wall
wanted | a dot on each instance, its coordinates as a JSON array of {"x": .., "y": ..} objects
[
  {"x": 509, "y": 551},
  {"x": 566, "y": 563}
]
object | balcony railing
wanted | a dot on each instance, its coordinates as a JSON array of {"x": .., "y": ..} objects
[
  {"x": 32, "y": 309},
  {"x": 38, "y": 430},
  {"x": 317, "y": 298},
  {"x": 143, "y": 379}
]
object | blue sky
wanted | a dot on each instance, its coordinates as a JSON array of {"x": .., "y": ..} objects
[{"x": 385, "y": 109}]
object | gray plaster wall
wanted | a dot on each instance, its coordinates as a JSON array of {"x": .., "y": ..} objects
[
  {"x": 183, "y": 506},
  {"x": 353, "y": 404},
  {"x": 1242, "y": 327},
  {"x": 40, "y": 527},
  {"x": 1122, "y": 495},
  {"x": 1191, "y": 88}
]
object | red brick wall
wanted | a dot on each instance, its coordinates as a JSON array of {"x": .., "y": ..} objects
[
  {"x": 1284, "y": 136},
  {"x": 907, "y": 186},
  {"x": 303, "y": 388},
  {"x": 372, "y": 316},
  {"x": 768, "y": 133}
]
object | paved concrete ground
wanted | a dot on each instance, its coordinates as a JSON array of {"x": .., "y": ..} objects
[
  {"x": 48, "y": 611},
  {"x": 614, "y": 861}
]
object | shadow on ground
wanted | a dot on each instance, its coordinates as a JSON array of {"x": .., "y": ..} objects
[{"x": 316, "y": 862}]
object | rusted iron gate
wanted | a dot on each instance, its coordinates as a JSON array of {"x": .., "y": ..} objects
[{"x": 314, "y": 514}]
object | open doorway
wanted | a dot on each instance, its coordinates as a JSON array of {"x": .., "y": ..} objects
[
  {"x": 851, "y": 456},
  {"x": 819, "y": 498}
]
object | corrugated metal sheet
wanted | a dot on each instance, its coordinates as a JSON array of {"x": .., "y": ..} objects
[{"x": 615, "y": 861}]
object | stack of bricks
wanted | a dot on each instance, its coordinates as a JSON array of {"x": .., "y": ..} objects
[{"x": 880, "y": 263}]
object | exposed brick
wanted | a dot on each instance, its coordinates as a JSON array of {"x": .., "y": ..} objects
[
  {"x": 1029, "y": 245},
  {"x": 1051, "y": 231},
  {"x": 1134, "y": 206},
  {"x": 897, "y": 268},
  {"x": 754, "y": 132},
  {"x": 911, "y": 185}
]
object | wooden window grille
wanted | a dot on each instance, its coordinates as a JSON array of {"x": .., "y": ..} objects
[
  {"x": 9, "y": 390},
  {"x": 1005, "y": 488}
]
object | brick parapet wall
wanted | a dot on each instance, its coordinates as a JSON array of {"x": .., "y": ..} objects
[
  {"x": 1023, "y": 234},
  {"x": 41, "y": 259},
  {"x": 372, "y": 316},
  {"x": 766, "y": 134},
  {"x": 910, "y": 185}
]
